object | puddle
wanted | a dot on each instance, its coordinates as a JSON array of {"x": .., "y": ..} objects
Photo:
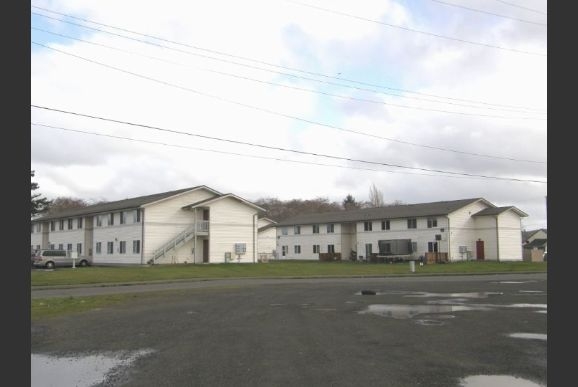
[
  {"x": 79, "y": 371},
  {"x": 497, "y": 381},
  {"x": 532, "y": 336},
  {"x": 457, "y": 295},
  {"x": 429, "y": 322},
  {"x": 531, "y": 291},
  {"x": 409, "y": 311}
]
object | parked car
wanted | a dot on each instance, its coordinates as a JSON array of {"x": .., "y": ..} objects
[{"x": 62, "y": 258}]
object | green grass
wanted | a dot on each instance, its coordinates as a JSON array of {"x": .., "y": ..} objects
[
  {"x": 58, "y": 306},
  {"x": 107, "y": 275}
]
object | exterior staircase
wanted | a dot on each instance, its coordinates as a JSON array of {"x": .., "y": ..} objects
[{"x": 182, "y": 238}]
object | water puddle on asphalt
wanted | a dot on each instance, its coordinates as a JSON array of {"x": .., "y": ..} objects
[
  {"x": 531, "y": 336},
  {"x": 78, "y": 371},
  {"x": 409, "y": 311},
  {"x": 457, "y": 295},
  {"x": 497, "y": 381}
]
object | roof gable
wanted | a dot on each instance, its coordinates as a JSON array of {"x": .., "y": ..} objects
[
  {"x": 499, "y": 210},
  {"x": 221, "y": 197}
]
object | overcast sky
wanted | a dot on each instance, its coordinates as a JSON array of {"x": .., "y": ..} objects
[{"x": 439, "y": 101}]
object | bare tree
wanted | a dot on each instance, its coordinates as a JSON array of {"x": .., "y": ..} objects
[
  {"x": 65, "y": 203},
  {"x": 375, "y": 197}
]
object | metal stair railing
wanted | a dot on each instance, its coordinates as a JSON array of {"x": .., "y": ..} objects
[{"x": 183, "y": 237}]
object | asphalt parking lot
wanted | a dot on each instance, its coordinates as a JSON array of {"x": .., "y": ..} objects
[{"x": 414, "y": 331}]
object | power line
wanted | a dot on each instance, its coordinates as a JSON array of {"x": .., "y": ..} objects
[
  {"x": 488, "y": 13},
  {"x": 311, "y": 79},
  {"x": 414, "y": 30},
  {"x": 253, "y": 60},
  {"x": 279, "y": 148},
  {"x": 522, "y": 7},
  {"x": 248, "y": 155},
  {"x": 283, "y": 114}
]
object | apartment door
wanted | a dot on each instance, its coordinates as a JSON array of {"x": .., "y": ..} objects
[
  {"x": 205, "y": 250},
  {"x": 480, "y": 250}
]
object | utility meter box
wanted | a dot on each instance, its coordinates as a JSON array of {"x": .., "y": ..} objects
[{"x": 240, "y": 248}]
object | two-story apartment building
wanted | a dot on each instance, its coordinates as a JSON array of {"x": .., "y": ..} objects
[
  {"x": 462, "y": 229},
  {"x": 191, "y": 225}
]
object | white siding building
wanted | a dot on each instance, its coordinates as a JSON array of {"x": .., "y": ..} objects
[
  {"x": 267, "y": 239},
  {"x": 459, "y": 229},
  {"x": 192, "y": 225}
]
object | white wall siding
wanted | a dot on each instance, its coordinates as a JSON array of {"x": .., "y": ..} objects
[
  {"x": 267, "y": 241},
  {"x": 510, "y": 236},
  {"x": 165, "y": 219},
  {"x": 306, "y": 239},
  {"x": 463, "y": 229},
  {"x": 232, "y": 222},
  {"x": 398, "y": 230},
  {"x": 117, "y": 233},
  {"x": 486, "y": 231}
]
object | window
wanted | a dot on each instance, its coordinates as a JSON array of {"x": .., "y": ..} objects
[
  {"x": 330, "y": 228},
  {"x": 368, "y": 249},
  {"x": 52, "y": 246},
  {"x": 315, "y": 229},
  {"x": 98, "y": 247},
  {"x": 98, "y": 221},
  {"x": 412, "y": 223},
  {"x": 136, "y": 247},
  {"x": 297, "y": 230},
  {"x": 297, "y": 249},
  {"x": 432, "y": 222},
  {"x": 284, "y": 250},
  {"x": 367, "y": 226},
  {"x": 315, "y": 249},
  {"x": 122, "y": 247},
  {"x": 138, "y": 215},
  {"x": 79, "y": 248},
  {"x": 61, "y": 224},
  {"x": 38, "y": 227},
  {"x": 413, "y": 247},
  {"x": 79, "y": 223},
  {"x": 60, "y": 246},
  {"x": 111, "y": 219},
  {"x": 51, "y": 225},
  {"x": 432, "y": 247},
  {"x": 330, "y": 248},
  {"x": 109, "y": 247},
  {"x": 121, "y": 217},
  {"x": 284, "y": 231},
  {"x": 37, "y": 247},
  {"x": 385, "y": 224},
  {"x": 70, "y": 224},
  {"x": 69, "y": 247}
]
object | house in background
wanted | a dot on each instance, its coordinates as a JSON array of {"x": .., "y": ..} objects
[
  {"x": 267, "y": 239},
  {"x": 191, "y": 225},
  {"x": 535, "y": 244},
  {"x": 454, "y": 230}
]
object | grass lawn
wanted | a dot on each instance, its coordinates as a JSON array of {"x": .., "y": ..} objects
[{"x": 104, "y": 275}]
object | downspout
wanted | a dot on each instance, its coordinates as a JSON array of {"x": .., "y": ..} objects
[
  {"x": 255, "y": 224},
  {"x": 449, "y": 241},
  {"x": 142, "y": 235},
  {"x": 195, "y": 235},
  {"x": 497, "y": 240}
]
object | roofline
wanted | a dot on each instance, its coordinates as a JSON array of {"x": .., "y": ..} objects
[
  {"x": 223, "y": 196},
  {"x": 180, "y": 194}
]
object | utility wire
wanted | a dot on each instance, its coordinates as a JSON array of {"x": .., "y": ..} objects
[
  {"x": 279, "y": 148},
  {"x": 305, "y": 89},
  {"x": 488, "y": 13},
  {"x": 247, "y": 155},
  {"x": 522, "y": 7},
  {"x": 414, "y": 30},
  {"x": 254, "y": 60},
  {"x": 272, "y": 112}
]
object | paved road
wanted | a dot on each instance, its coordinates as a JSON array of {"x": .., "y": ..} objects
[{"x": 415, "y": 331}]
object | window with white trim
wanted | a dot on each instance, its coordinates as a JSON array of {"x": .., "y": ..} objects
[
  {"x": 331, "y": 248},
  {"x": 284, "y": 231},
  {"x": 385, "y": 224},
  {"x": 122, "y": 247},
  {"x": 69, "y": 247},
  {"x": 111, "y": 219},
  {"x": 367, "y": 226},
  {"x": 98, "y": 247},
  {"x": 297, "y": 249},
  {"x": 61, "y": 225},
  {"x": 79, "y": 223},
  {"x": 136, "y": 247},
  {"x": 412, "y": 223},
  {"x": 109, "y": 247},
  {"x": 368, "y": 249},
  {"x": 122, "y": 220},
  {"x": 432, "y": 222},
  {"x": 70, "y": 224},
  {"x": 315, "y": 229},
  {"x": 297, "y": 230},
  {"x": 330, "y": 228},
  {"x": 315, "y": 249},
  {"x": 79, "y": 249}
]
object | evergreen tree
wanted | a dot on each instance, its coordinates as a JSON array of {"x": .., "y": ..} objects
[{"x": 38, "y": 203}]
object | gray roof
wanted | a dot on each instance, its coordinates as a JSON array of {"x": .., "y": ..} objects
[
  {"x": 389, "y": 212},
  {"x": 536, "y": 243},
  {"x": 499, "y": 210},
  {"x": 528, "y": 234},
  {"x": 223, "y": 196},
  {"x": 117, "y": 205}
]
